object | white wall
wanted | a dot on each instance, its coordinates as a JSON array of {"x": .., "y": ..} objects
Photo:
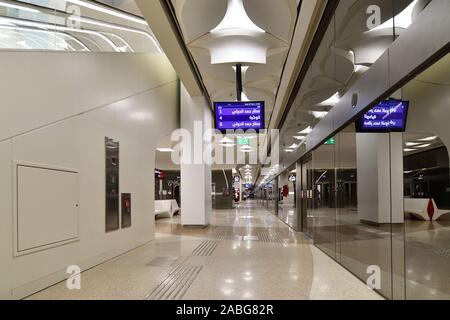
[
  {"x": 429, "y": 108},
  {"x": 195, "y": 178},
  {"x": 56, "y": 110},
  {"x": 380, "y": 177}
]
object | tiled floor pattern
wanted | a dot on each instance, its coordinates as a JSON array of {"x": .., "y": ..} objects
[{"x": 246, "y": 253}]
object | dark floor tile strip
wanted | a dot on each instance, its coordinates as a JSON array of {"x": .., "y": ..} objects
[
  {"x": 173, "y": 293},
  {"x": 206, "y": 248},
  {"x": 176, "y": 284},
  {"x": 196, "y": 273},
  {"x": 166, "y": 288},
  {"x": 163, "y": 283},
  {"x": 199, "y": 248},
  {"x": 212, "y": 248}
]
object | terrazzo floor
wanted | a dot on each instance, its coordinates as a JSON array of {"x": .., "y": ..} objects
[{"x": 246, "y": 253}]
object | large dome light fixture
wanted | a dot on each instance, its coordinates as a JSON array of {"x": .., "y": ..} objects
[
  {"x": 236, "y": 18},
  {"x": 236, "y": 39}
]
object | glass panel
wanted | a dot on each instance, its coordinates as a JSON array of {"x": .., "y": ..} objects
[
  {"x": 287, "y": 205},
  {"x": 406, "y": 12},
  {"x": 364, "y": 205},
  {"x": 324, "y": 200},
  {"x": 308, "y": 198},
  {"x": 72, "y": 26},
  {"x": 426, "y": 147},
  {"x": 271, "y": 196}
]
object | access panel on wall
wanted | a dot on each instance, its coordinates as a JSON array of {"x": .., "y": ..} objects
[
  {"x": 126, "y": 210},
  {"x": 112, "y": 184}
]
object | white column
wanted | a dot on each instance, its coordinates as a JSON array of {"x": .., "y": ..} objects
[
  {"x": 380, "y": 177},
  {"x": 195, "y": 190}
]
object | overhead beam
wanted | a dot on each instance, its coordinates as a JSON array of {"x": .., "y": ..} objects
[
  {"x": 310, "y": 15},
  {"x": 163, "y": 26}
]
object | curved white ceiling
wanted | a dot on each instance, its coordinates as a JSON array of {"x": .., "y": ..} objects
[
  {"x": 346, "y": 51},
  {"x": 276, "y": 17}
]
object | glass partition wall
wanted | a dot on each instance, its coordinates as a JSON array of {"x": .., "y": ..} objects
[
  {"x": 287, "y": 204},
  {"x": 73, "y": 26},
  {"x": 376, "y": 202},
  {"x": 379, "y": 202},
  {"x": 426, "y": 183}
]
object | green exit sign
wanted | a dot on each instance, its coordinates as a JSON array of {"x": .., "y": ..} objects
[
  {"x": 243, "y": 141},
  {"x": 330, "y": 142}
]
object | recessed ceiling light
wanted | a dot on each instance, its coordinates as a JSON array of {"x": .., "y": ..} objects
[
  {"x": 331, "y": 101},
  {"x": 165, "y": 149},
  {"x": 319, "y": 114},
  {"x": 412, "y": 144},
  {"x": 15, "y": 6},
  {"x": 429, "y": 138},
  {"x": 306, "y": 131},
  {"x": 293, "y": 146},
  {"x": 289, "y": 150},
  {"x": 227, "y": 145},
  {"x": 301, "y": 138},
  {"x": 226, "y": 140},
  {"x": 424, "y": 145},
  {"x": 408, "y": 150},
  {"x": 360, "y": 68}
]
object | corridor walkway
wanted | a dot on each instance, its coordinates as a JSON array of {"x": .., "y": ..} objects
[{"x": 246, "y": 253}]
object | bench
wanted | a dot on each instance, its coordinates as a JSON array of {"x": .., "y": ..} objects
[
  {"x": 424, "y": 209},
  {"x": 166, "y": 208}
]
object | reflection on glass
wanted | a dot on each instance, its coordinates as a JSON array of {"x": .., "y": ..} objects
[
  {"x": 72, "y": 26},
  {"x": 427, "y": 184},
  {"x": 379, "y": 200},
  {"x": 288, "y": 203},
  {"x": 364, "y": 201},
  {"x": 324, "y": 200}
]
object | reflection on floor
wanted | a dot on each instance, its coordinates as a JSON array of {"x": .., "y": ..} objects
[
  {"x": 246, "y": 253},
  {"x": 287, "y": 214},
  {"x": 427, "y": 255},
  {"x": 420, "y": 257}
]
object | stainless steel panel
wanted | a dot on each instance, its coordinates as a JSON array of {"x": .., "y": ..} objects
[
  {"x": 111, "y": 184},
  {"x": 126, "y": 210}
]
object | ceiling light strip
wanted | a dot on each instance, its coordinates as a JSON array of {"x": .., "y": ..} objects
[
  {"x": 58, "y": 28},
  {"x": 108, "y": 11},
  {"x": 17, "y": 7},
  {"x": 117, "y": 27}
]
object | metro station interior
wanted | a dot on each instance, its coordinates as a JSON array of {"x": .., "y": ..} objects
[{"x": 225, "y": 150}]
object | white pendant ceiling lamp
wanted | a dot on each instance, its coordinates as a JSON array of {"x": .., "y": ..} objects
[
  {"x": 236, "y": 39},
  {"x": 236, "y": 18}
]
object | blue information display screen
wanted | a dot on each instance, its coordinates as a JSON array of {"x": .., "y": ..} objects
[
  {"x": 243, "y": 115},
  {"x": 387, "y": 116}
]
